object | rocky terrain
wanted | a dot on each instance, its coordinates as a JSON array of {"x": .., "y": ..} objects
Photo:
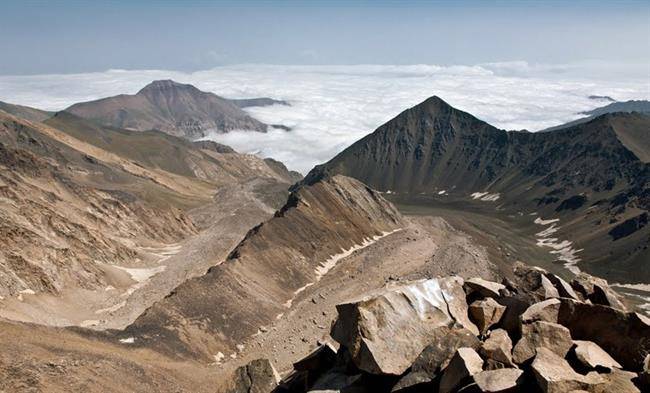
[
  {"x": 532, "y": 333},
  {"x": 98, "y": 223},
  {"x": 174, "y": 108},
  {"x": 584, "y": 187}
]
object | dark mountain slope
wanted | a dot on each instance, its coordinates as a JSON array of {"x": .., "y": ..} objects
[
  {"x": 640, "y": 106},
  {"x": 25, "y": 112},
  {"x": 593, "y": 176},
  {"x": 174, "y": 108}
]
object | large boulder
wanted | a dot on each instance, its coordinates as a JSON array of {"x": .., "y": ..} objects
[
  {"x": 597, "y": 290},
  {"x": 258, "y": 376},
  {"x": 454, "y": 295},
  {"x": 546, "y": 310},
  {"x": 497, "y": 349},
  {"x": 486, "y": 313},
  {"x": 564, "y": 288},
  {"x": 623, "y": 335},
  {"x": 465, "y": 364},
  {"x": 437, "y": 355},
  {"x": 592, "y": 356},
  {"x": 532, "y": 281},
  {"x": 387, "y": 330},
  {"x": 554, "y": 374},
  {"x": 551, "y": 336},
  {"x": 483, "y": 287}
]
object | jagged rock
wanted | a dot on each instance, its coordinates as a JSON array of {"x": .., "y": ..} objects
[
  {"x": 504, "y": 380},
  {"x": 465, "y": 363},
  {"x": 515, "y": 305},
  {"x": 452, "y": 289},
  {"x": 437, "y": 354},
  {"x": 563, "y": 287},
  {"x": 552, "y": 336},
  {"x": 486, "y": 313},
  {"x": 258, "y": 376},
  {"x": 387, "y": 330},
  {"x": 483, "y": 287},
  {"x": 498, "y": 348},
  {"x": 554, "y": 374},
  {"x": 622, "y": 335},
  {"x": 546, "y": 310},
  {"x": 597, "y": 290},
  {"x": 549, "y": 289},
  {"x": 528, "y": 279},
  {"x": 593, "y": 356}
]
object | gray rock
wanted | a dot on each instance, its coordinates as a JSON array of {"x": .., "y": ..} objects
[
  {"x": 546, "y": 310},
  {"x": 498, "y": 348},
  {"x": 552, "y": 336},
  {"x": 593, "y": 356},
  {"x": 387, "y": 330},
  {"x": 486, "y": 313},
  {"x": 465, "y": 363},
  {"x": 504, "y": 380},
  {"x": 554, "y": 374},
  {"x": 623, "y": 335},
  {"x": 258, "y": 376},
  {"x": 483, "y": 287},
  {"x": 437, "y": 355}
]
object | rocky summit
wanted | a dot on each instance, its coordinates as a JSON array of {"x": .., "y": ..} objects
[{"x": 419, "y": 336}]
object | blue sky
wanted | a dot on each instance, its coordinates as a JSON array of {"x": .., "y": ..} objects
[{"x": 73, "y": 36}]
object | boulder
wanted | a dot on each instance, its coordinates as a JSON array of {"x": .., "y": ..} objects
[
  {"x": 563, "y": 287},
  {"x": 623, "y": 335},
  {"x": 597, "y": 290},
  {"x": 644, "y": 375},
  {"x": 504, "y": 380},
  {"x": 465, "y": 364},
  {"x": 498, "y": 348},
  {"x": 546, "y": 310},
  {"x": 551, "y": 336},
  {"x": 548, "y": 288},
  {"x": 483, "y": 287},
  {"x": 454, "y": 295},
  {"x": 620, "y": 381},
  {"x": 592, "y": 356},
  {"x": 515, "y": 305},
  {"x": 528, "y": 280},
  {"x": 486, "y": 313},
  {"x": 258, "y": 376},
  {"x": 437, "y": 355},
  {"x": 554, "y": 374},
  {"x": 387, "y": 330}
]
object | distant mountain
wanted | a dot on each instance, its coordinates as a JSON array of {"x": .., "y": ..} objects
[
  {"x": 641, "y": 106},
  {"x": 174, "y": 108},
  {"x": 262, "y": 101},
  {"x": 25, "y": 112},
  {"x": 599, "y": 169}
]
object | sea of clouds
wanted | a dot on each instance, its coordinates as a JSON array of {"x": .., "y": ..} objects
[{"x": 333, "y": 106}]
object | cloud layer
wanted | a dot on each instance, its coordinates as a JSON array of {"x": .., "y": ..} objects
[{"x": 333, "y": 106}]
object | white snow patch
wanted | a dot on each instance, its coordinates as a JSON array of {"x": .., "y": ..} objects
[
  {"x": 486, "y": 196},
  {"x": 219, "y": 357},
  {"x": 638, "y": 287},
  {"x": 562, "y": 249},
  {"x": 112, "y": 308},
  {"x": 128, "y": 340},
  {"x": 334, "y": 259},
  {"x": 27, "y": 292},
  {"x": 89, "y": 322},
  {"x": 541, "y": 221},
  {"x": 443, "y": 192},
  {"x": 109, "y": 288},
  {"x": 142, "y": 274}
]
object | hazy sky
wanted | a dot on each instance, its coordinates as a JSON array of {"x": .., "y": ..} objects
[{"x": 75, "y": 36}]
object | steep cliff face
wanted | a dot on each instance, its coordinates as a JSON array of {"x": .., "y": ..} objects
[
  {"x": 171, "y": 107},
  {"x": 276, "y": 261}
]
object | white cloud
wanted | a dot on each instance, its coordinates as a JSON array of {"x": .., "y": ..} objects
[{"x": 333, "y": 106}]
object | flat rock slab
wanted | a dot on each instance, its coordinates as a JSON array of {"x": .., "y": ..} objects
[
  {"x": 387, "y": 330},
  {"x": 483, "y": 287},
  {"x": 593, "y": 356},
  {"x": 546, "y": 311},
  {"x": 504, "y": 380},
  {"x": 554, "y": 374}
]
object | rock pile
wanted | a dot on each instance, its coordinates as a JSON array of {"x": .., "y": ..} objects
[{"x": 534, "y": 333}]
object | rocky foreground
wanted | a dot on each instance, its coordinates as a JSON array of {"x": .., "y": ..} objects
[{"x": 532, "y": 333}]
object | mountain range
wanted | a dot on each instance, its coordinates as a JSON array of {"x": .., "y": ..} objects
[{"x": 133, "y": 258}]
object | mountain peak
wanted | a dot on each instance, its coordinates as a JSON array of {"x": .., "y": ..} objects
[{"x": 165, "y": 84}]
